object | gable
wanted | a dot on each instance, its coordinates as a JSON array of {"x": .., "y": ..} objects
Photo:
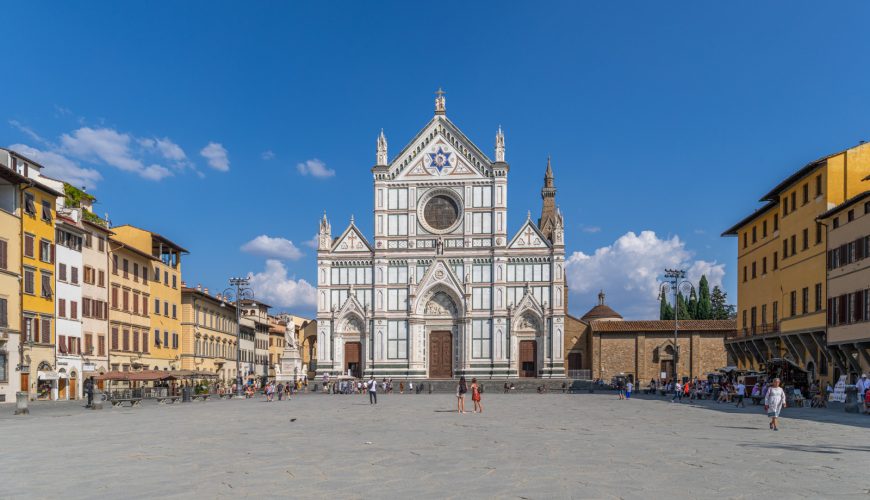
[
  {"x": 529, "y": 236},
  {"x": 440, "y": 151},
  {"x": 440, "y": 272},
  {"x": 351, "y": 240}
]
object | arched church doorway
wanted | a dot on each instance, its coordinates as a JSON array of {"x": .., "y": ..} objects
[
  {"x": 440, "y": 354},
  {"x": 528, "y": 358}
]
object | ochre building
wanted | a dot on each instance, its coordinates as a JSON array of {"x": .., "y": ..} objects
[{"x": 781, "y": 261}]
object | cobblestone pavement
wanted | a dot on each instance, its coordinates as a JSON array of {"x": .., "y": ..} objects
[{"x": 523, "y": 446}]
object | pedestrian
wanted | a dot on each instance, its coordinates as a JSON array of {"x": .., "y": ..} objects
[
  {"x": 741, "y": 393},
  {"x": 620, "y": 388},
  {"x": 411, "y": 387},
  {"x": 774, "y": 402},
  {"x": 862, "y": 385},
  {"x": 401, "y": 387},
  {"x": 373, "y": 391},
  {"x": 628, "y": 387},
  {"x": 678, "y": 392},
  {"x": 280, "y": 391},
  {"x": 89, "y": 390},
  {"x": 475, "y": 396},
  {"x": 461, "y": 389}
]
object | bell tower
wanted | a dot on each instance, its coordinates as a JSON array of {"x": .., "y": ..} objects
[{"x": 547, "y": 222}]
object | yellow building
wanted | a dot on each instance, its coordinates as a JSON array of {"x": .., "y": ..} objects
[
  {"x": 208, "y": 334},
  {"x": 38, "y": 370},
  {"x": 165, "y": 288},
  {"x": 10, "y": 283},
  {"x": 129, "y": 299},
  {"x": 277, "y": 330},
  {"x": 781, "y": 265}
]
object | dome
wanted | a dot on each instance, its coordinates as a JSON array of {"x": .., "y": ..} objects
[{"x": 601, "y": 311}]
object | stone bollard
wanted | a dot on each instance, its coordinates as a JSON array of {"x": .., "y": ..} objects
[
  {"x": 851, "y": 399},
  {"x": 97, "y": 403},
  {"x": 21, "y": 400}
]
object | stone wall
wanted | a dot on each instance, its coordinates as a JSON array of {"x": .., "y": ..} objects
[{"x": 634, "y": 353}]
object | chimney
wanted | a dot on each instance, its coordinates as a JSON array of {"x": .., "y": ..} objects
[
  {"x": 219, "y": 297},
  {"x": 198, "y": 287},
  {"x": 183, "y": 284},
  {"x": 205, "y": 291}
]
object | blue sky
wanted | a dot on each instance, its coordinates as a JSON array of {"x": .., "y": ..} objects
[{"x": 666, "y": 121}]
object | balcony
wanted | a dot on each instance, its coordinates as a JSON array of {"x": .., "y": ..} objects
[{"x": 755, "y": 330}]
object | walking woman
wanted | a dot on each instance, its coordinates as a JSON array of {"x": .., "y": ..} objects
[
  {"x": 475, "y": 396},
  {"x": 461, "y": 389},
  {"x": 774, "y": 402}
]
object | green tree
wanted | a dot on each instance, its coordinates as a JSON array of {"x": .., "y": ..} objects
[
  {"x": 705, "y": 306},
  {"x": 665, "y": 309},
  {"x": 692, "y": 306},
  {"x": 720, "y": 309},
  {"x": 682, "y": 307}
]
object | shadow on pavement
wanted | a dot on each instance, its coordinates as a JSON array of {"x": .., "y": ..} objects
[
  {"x": 829, "y": 415},
  {"x": 826, "y": 449}
]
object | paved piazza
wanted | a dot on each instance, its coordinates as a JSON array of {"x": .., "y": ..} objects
[{"x": 524, "y": 446}]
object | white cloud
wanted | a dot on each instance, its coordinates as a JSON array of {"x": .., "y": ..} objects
[
  {"x": 28, "y": 131},
  {"x": 274, "y": 287},
  {"x": 629, "y": 271},
  {"x": 60, "y": 167},
  {"x": 315, "y": 168},
  {"x": 590, "y": 229},
  {"x": 110, "y": 147},
  {"x": 277, "y": 248},
  {"x": 267, "y": 155},
  {"x": 216, "y": 155},
  {"x": 166, "y": 148},
  {"x": 314, "y": 242}
]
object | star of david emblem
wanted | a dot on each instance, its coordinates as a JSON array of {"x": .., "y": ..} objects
[{"x": 439, "y": 159}]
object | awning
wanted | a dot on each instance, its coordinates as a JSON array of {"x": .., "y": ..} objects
[{"x": 41, "y": 375}]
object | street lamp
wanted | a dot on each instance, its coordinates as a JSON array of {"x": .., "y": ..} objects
[
  {"x": 241, "y": 292},
  {"x": 675, "y": 280}
]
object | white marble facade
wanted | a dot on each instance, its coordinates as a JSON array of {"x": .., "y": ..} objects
[{"x": 442, "y": 273}]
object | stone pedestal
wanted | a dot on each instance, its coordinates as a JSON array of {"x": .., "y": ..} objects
[
  {"x": 21, "y": 400},
  {"x": 290, "y": 369},
  {"x": 851, "y": 399}
]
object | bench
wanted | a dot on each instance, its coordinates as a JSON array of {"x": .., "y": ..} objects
[
  {"x": 199, "y": 397},
  {"x": 133, "y": 401},
  {"x": 167, "y": 399}
]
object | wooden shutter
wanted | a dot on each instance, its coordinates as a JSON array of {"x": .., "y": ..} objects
[
  {"x": 115, "y": 339},
  {"x": 46, "y": 331},
  {"x": 51, "y": 245},
  {"x": 859, "y": 249},
  {"x": 4, "y": 254},
  {"x": 859, "y": 305},
  {"x": 4, "y": 311}
]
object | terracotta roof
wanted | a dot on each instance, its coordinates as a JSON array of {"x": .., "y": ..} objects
[
  {"x": 601, "y": 311},
  {"x": 692, "y": 325}
]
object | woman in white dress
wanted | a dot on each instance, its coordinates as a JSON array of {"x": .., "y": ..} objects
[{"x": 774, "y": 402}]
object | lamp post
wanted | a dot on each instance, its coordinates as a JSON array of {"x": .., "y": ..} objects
[
  {"x": 675, "y": 280},
  {"x": 241, "y": 292}
]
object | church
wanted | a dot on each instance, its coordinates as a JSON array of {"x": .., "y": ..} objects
[{"x": 442, "y": 290}]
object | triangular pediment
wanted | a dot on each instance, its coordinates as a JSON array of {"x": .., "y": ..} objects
[
  {"x": 351, "y": 308},
  {"x": 351, "y": 240},
  {"x": 529, "y": 236},
  {"x": 528, "y": 304},
  {"x": 440, "y": 151},
  {"x": 439, "y": 276}
]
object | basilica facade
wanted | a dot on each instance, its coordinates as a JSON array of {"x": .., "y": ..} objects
[{"x": 443, "y": 289}]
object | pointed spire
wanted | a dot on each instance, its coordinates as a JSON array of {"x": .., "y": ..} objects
[
  {"x": 548, "y": 175},
  {"x": 351, "y": 219},
  {"x": 382, "y": 149},
  {"x": 499, "y": 145},
  {"x": 528, "y": 215},
  {"x": 440, "y": 102}
]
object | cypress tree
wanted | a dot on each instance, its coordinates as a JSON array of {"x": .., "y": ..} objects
[
  {"x": 665, "y": 309},
  {"x": 705, "y": 306},
  {"x": 693, "y": 305},
  {"x": 682, "y": 308}
]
